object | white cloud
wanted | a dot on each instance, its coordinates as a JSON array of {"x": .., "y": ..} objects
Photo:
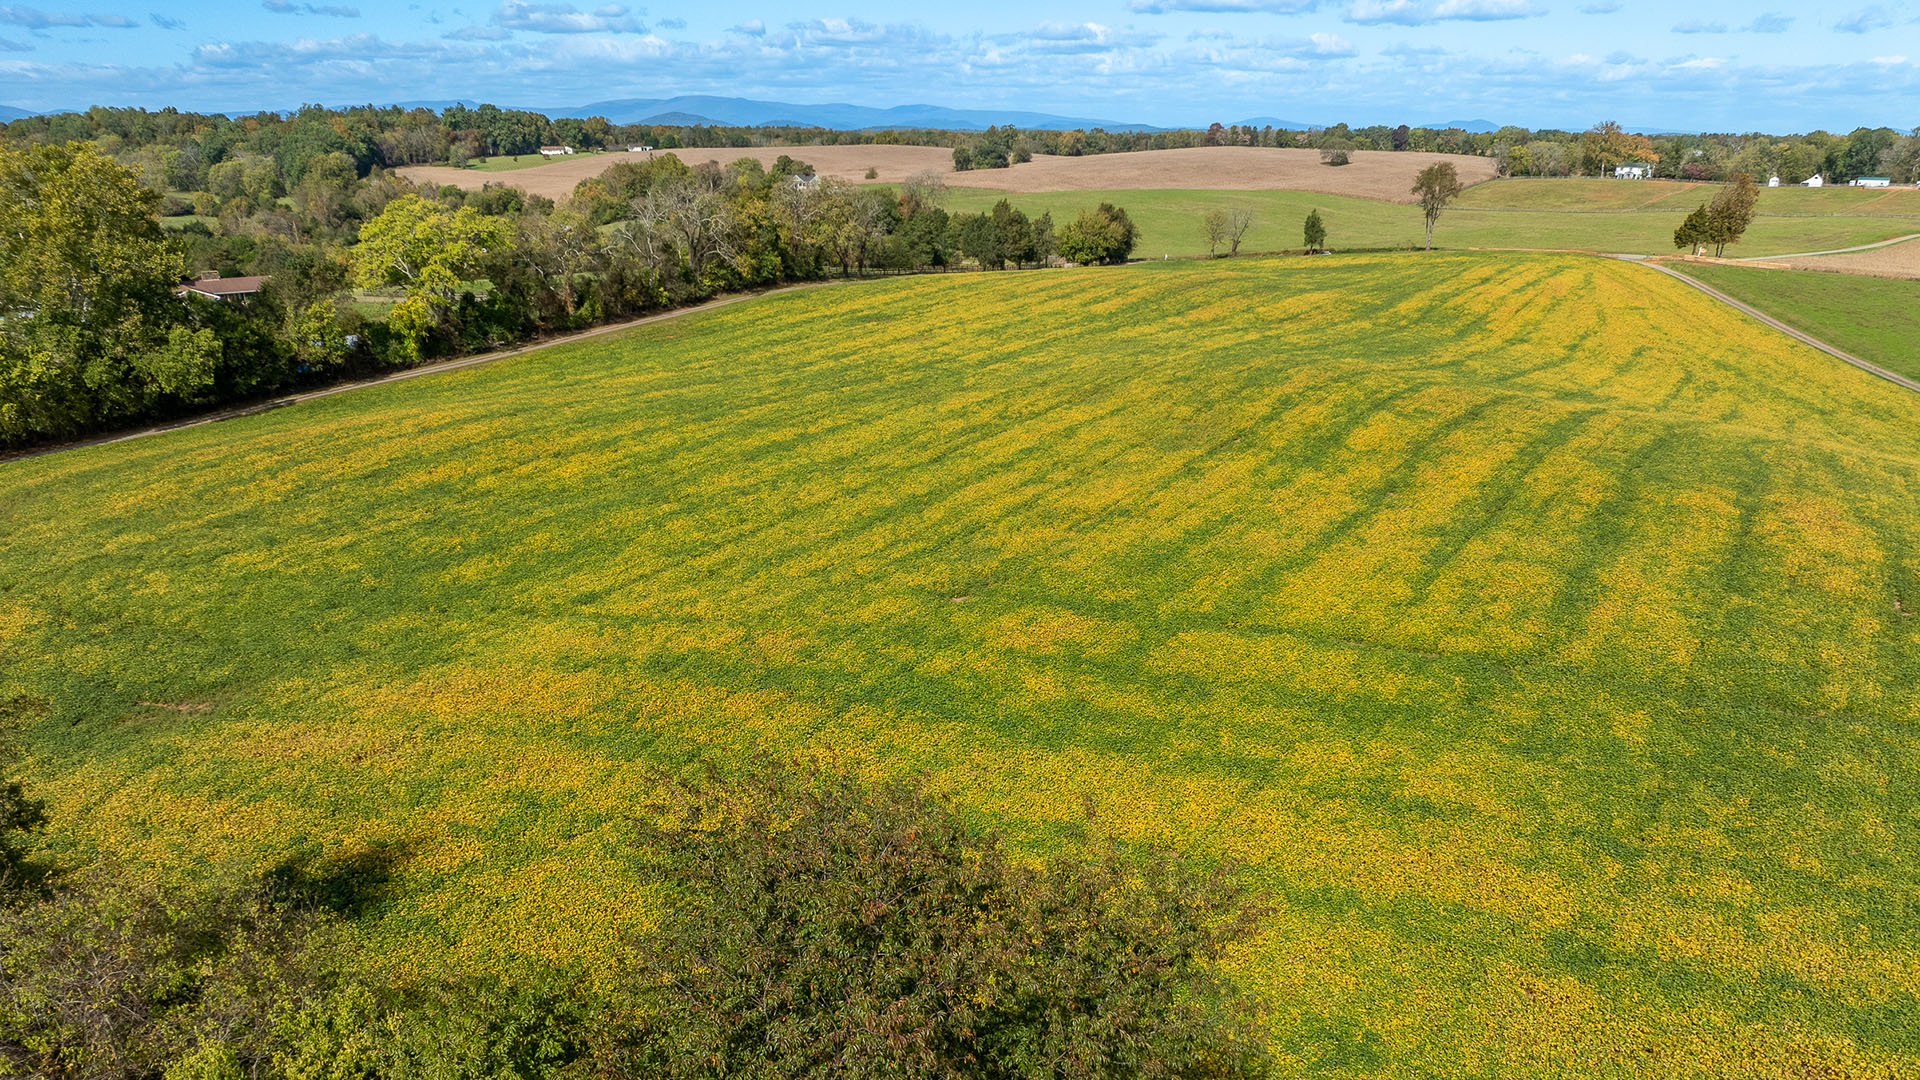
[
  {"x": 1888, "y": 61},
  {"x": 286, "y": 7},
  {"x": 1865, "y": 21},
  {"x": 1423, "y": 12},
  {"x": 1224, "y": 7},
  {"x": 35, "y": 19},
  {"x": 566, "y": 19},
  {"x": 1696, "y": 26}
]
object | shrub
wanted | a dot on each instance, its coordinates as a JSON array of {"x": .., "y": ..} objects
[{"x": 828, "y": 929}]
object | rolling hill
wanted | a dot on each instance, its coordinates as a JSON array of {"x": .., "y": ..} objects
[
  {"x": 1538, "y": 634},
  {"x": 751, "y": 113}
]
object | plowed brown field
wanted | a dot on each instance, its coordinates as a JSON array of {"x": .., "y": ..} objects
[
  {"x": 1897, "y": 261},
  {"x": 1372, "y": 175}
]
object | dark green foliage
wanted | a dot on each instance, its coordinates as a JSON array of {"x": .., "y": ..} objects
[
  {"x": 1692, "y": 232},
  {"x": 830, "y": 929},
  {"x": 1102, "y": 235},
  {"x": 110, "y": 977},
  {"x": 1315, "y": 232},
  {"x": 20, "y": 817}
]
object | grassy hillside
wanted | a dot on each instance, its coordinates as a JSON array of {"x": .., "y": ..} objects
[
  {"x": 1876, "y": 319},
  {"x": 1170, "y": 222},
  {"x": 1538, "y": 631},
  {"x": 1586, "y": 193}
]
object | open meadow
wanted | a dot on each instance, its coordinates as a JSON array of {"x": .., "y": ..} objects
[
  {"x": 1170, "y": 223},
  {"x": 1366, "y": 205},
  {"x": 1541, "y": 634}
]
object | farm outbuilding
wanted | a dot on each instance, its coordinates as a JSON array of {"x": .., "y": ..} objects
[
  {"x": 1632, "y": 170},
  {"x": 1814, "y": 181},
  {"x": 212, "y": 286},
  {"x": 554, "y": 151},
  {"x": 1872, "y": 181}
]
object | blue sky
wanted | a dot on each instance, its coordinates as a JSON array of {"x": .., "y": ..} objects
[{"x": 1698, "y": 64}]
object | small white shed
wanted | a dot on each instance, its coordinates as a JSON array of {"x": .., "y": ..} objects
[{"x": 1814, "y": 181}]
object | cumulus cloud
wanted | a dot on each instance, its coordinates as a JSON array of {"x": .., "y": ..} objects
[
  {"x": 672, "y": 24},
  {"x": 1055, "y": 38},
  {"x": 566, "y": 19},
  {"x": 1888, "y": 61},
  {"x": 1224, "y": 7},
  {"x": 750, "y": 28},
  {"x": 35, "y": 19},
  {"x": 1865, "y": 21},
  {"x": 331, "y": 11},
  {"x": 1423, "y": 12},
  {"x": 478, "y": 33}
]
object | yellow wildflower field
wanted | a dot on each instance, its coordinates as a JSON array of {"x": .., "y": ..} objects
[{"x": 1541, "y": 635}]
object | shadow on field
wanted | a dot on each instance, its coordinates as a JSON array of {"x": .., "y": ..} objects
[{"x": 345, "y": 883}]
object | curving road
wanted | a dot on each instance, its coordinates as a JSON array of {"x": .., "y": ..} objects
[
  {"x": 1797, "y": 335},
  {"x": 1835, "y": 251}
]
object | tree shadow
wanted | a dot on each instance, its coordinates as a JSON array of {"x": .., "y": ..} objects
[{"x": 346, "y": 883}]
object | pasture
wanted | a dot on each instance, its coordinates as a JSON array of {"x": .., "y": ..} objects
[
  {"x": 1876, "y": 319},
  {"x": 1540, "y": 633},
  {"x": 1170, "y": 223}
]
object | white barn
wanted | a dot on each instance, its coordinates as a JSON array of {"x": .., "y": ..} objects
[{"x": 1872, "y": 181}]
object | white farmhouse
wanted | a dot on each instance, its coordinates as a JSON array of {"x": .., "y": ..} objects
[{"x": 1632, "y": 170}]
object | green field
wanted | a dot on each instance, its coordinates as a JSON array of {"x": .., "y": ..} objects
[
  {"x": 1876, "y": 319},
  {"x": 510, "y": 162},
  {"x": 1170, "y": 222},
  {"x": 1540, "y": 633},
  {"x": 1586, "y": 193}
]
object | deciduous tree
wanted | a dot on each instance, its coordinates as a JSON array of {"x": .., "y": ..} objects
[
  {"x": 1315, "y": 232},
  {"x": 1436, "y": 186},
  {"x": 89, "y": 328}
]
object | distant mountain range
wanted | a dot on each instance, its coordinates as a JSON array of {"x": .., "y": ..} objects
[
  {"x": 746, "y": 112},
  {"x": 695, "y": 109},
  {"x": 1276, "y": 122},
  {"x": 1295, "y": 125}
]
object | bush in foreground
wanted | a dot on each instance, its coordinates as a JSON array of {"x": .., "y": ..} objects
[
  {"x": 829, "y": 929},
  {"x": 826, "y": 928}
]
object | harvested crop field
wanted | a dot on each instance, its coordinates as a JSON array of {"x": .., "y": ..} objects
[
  {"x": 1372, "y": 175},
  {"x": 1893, "y": 261},
  {"x": 1537, "y": 631},
  {"x": 557, "y": 181}
]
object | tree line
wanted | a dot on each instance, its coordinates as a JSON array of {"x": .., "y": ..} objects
[
  {"x": 817, "y": 926},
  {"x": 182, "y": 147},
  {"x": 368, "y": 273}
]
